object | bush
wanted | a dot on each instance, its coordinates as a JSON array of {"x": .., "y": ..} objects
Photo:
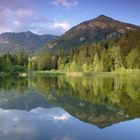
[{"x": 18, "y": 69}]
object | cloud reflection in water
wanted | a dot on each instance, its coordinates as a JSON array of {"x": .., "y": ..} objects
[{"x": 17, "y": 124}]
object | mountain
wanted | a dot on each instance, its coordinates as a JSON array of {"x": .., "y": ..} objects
[
  {"x": 101, "y": 28},
  {"x": 93, "y": 100},
  {"x": 44, "y": 92},
  {"x": 28, "y": 41}
]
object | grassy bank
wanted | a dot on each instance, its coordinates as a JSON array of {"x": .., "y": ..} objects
[
  {"x": 51, "y": 72},
  {"x": 74, "y": 74},
  {"x": 70, "y": 73},
  {"x": 89, "y": 73},
  {"x": 119, "y": 72},
  {"x": 127, "y": 72}
]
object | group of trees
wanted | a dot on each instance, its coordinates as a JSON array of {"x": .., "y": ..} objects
[
  {"x": 111, "y": 55},
  {"x": 114, "y": 54},
  {"x": 13, "y": 63},
  {"x": 119, "y": 93}
]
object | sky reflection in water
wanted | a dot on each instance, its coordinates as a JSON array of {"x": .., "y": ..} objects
[
  {"x": 59, "y": 108},
  {"x": 56, "y": 124}
]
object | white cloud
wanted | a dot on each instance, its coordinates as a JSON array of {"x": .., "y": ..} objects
[
  {"x": 62, "y": 117},
  {"x": 21, "y": 16},
  {"x": 50, "y": 26},
  {"x": 53, "y": 123},
  {"x": 62, "y": 25},
  {"x": 15, "y": 17},
  {"x": 17, "y": 23},
  {"x": 66, "y": 3},
  {"x": 54, "y": 114},
  {"x": 17, "y": 121}
]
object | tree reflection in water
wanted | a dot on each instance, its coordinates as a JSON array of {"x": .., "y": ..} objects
[{"x": 99, "y": 100}]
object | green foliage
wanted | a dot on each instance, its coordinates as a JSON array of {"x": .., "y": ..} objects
[
  {"x": 13, "y": 64},
  {"x": 114, "y": 97},
  {"x": 122, "y": 52},
  {"x": 85, "y": 67},
  {"x": 116, "y": 56},
  {"x": 45, "y": 61},
  {"x": 60, "y": 63},
  {"x": 17, "y": 69},
  {"x": 20, "y": 57},
  {"x": 97, "y": 65},
  {"x": 133, "y": 59}
]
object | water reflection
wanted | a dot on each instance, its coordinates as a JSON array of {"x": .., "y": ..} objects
[
  {"x": 56, "y": 124},
  {"x": 98, "y": 100},
  {"x": 101, "y": 101},
  {"x": 18, "y": 124},
  {"x": 15, "y": 94}
]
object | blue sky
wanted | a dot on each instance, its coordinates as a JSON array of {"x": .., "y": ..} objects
[{"x": 58, "y": 16}]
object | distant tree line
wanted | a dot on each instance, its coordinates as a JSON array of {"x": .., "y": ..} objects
[
  {"x": 111, "y": 55},
  {"x": 104, "y": 56}
]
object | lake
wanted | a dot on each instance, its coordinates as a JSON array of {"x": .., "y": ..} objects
[{"x": 70, "y": 108}]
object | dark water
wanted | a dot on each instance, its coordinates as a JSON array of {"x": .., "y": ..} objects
[{"x": 70, "y": 108}]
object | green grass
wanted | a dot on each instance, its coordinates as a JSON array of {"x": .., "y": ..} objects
[
  {"x": 74, "y": 74},
  {"x": 119, "y": 72},
  {"x": 51, "y": 72},
  {"x": 127, "y": 72}
]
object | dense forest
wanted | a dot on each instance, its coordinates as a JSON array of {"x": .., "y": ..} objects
[
  {"x": 13, "y": 63},
  {"x": 118, "y": 53},
  {"x": 111, "y": 55}
]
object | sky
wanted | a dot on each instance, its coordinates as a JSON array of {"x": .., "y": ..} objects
[{"x": 58, "y": 16}]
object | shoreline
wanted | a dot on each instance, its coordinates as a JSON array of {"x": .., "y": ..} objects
[{"x": 126, "y": 72}]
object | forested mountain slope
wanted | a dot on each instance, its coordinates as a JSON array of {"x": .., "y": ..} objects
[
  {"x": 101, "y": 28},
  {"x": 27, "y": 41}
]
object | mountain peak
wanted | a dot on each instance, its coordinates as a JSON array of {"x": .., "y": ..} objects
[
  {"x": 103, "y": 17},
  {"x": 29, "y": 32},
  {"x": 101, "y": 28}
]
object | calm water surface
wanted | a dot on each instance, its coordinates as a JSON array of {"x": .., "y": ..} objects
[{"x": 70, "y": 108}]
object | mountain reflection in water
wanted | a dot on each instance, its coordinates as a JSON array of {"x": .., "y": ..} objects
[{"x": 60, "y": 105}]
